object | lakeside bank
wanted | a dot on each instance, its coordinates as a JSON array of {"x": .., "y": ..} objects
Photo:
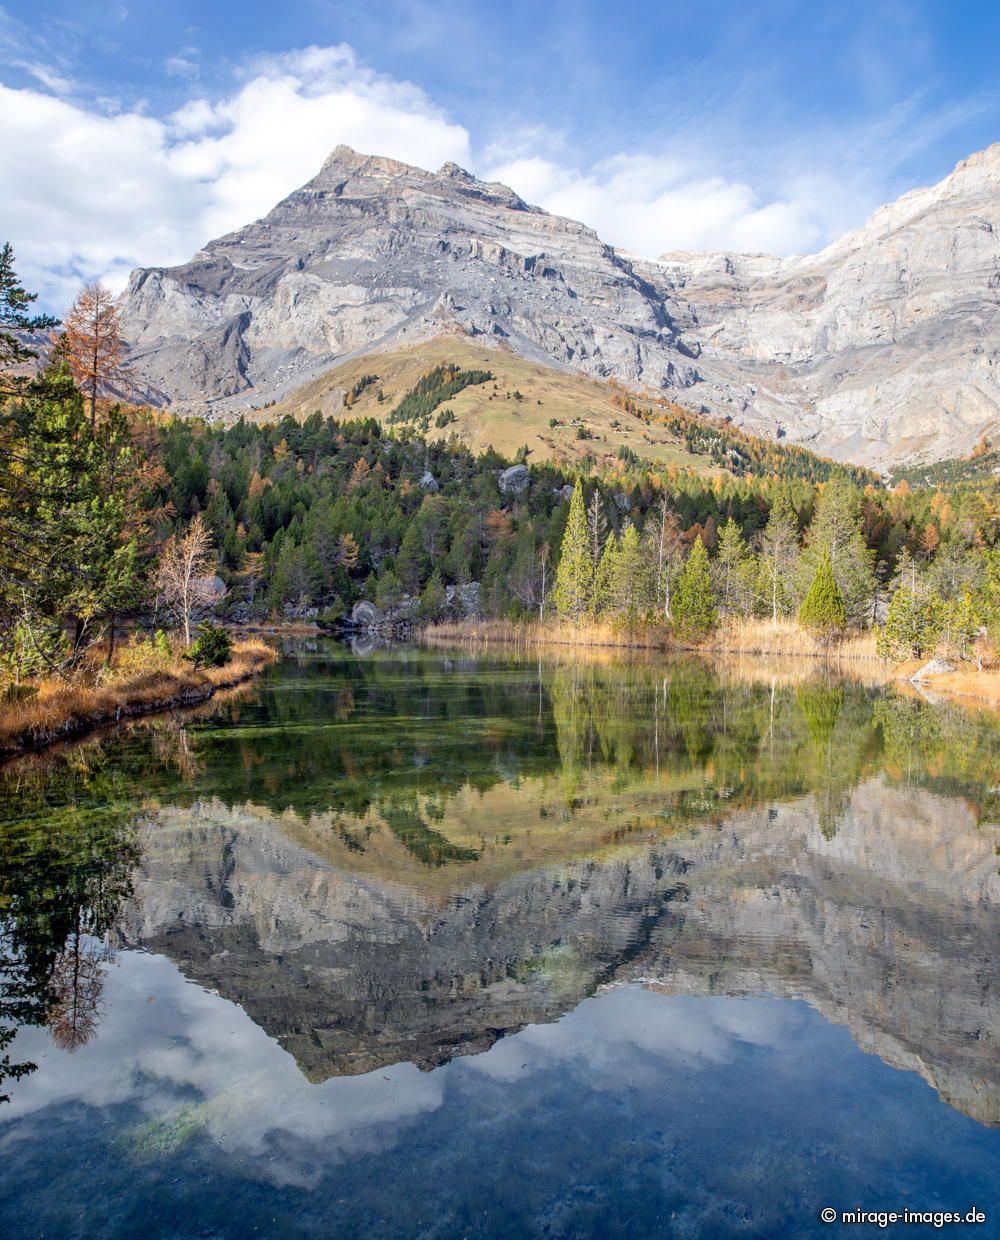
[
  {"x": 735, "y": 641},
  {"x": 63, "y": 711}
]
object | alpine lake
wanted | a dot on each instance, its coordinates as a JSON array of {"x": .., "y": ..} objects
[{"x": 404, "y": 943}]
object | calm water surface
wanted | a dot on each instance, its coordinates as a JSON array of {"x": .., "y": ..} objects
[{"x": 421, "y": 945}]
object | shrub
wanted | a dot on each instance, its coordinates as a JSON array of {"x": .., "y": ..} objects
[
  {"x": 214, "y": 647},
  {"x": 140, "y": 656}
]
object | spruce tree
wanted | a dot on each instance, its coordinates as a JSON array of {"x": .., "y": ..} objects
[
  {"x": 574, "y": 583},
  {"x": 779, "y": 548},
  {"x": 835, "y": 532},
  {"x": 823, "y": 608},
  {"x": 605, "y": 581},
  {"x": 633, "y": 587},
  {"x": 694, "y": 610},
  {"x": 731, "y": 561}
]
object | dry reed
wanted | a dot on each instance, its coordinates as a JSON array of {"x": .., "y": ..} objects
[{"x": 60, "y": 710}]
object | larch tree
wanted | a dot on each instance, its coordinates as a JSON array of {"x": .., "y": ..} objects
[
  {"x": 93, "y": 344},
  {"x": 667, "y": 552},
  {"x": 184, "y": 575},
  {"x": 574, "y": 582}
]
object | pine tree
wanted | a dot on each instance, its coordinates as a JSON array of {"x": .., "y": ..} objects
[
  {"x": 433, "y": 600},
  {"x": 574, "y": 584},
  {"x": 14, "y": 316},
  {"x": 694, "y": 610},
  {"x": 823, "y": 608}
]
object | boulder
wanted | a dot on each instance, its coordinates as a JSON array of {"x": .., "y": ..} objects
[
  {"x": 936, "y": 667},
  {"x": 515, "y": 480},
  {"x": 365, "y": 615},
  {"x": 429, "y": 483}
]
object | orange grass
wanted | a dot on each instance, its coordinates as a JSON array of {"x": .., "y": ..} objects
[{"x": 60, "y": 710}]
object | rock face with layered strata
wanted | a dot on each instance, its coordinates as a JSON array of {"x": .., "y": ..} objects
[
  {"x": 373, "y": 252},
  {"x": 882, "y": 347},
  {"x": 885, "y": 345}
]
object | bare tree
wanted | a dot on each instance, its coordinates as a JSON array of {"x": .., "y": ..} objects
[
  {"x": 668, "y": 547},
  {"x": 93, "y": 343},
  {"x": 183, "y": 578},
  {"x": 597, "y": 524}
]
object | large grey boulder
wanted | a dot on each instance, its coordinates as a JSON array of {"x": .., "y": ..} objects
[
  {"x": 515, "y": 480},
  {"x": 366, "y": 615}
]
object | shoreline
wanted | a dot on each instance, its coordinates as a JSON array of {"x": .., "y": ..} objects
[
  {"x": 757, "y": 639},
  {"x": 730, "y": 647},
  {"x": 31, "y": 725}
]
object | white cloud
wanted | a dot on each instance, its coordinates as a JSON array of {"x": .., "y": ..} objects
[
  {"x": 89, "y": 194},
  {"x": 92, "y": 190},
  {"x": 649, "y": 204}
]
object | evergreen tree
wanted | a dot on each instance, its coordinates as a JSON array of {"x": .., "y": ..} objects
[
  {"x": 779, "y": 548},
  {"x": 732, "y": 562},
  {"x": 433, "y": 600},
  {"x": 597, "y": 524},
  {"x": 605, "y": 581},
  {"x": 899, "y": 637},
  {"x": 14, "y": 317},
  {"x": 574, "y": 584},
  {"x": 632, "y": 585},
  {"x": 823, "y": 608},
  {"x": 835, "y": 532},
  {"x": 694, "y": 610}
]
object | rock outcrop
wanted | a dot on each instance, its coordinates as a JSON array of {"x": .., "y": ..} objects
[
  {"x": 882, "y": 347},
  {"x": 372, "y": 252}
]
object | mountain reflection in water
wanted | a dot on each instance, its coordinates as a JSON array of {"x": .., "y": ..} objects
[{"x": 393, "y": 861}]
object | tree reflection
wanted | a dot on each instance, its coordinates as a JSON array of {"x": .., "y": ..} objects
[{"x": 65, "y": 871}]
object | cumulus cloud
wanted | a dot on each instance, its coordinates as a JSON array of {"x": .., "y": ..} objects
[
  {"x": 93, "y": 188},
  {"x": 90, "y": 194},
  {"x": 649, "y": 204}
]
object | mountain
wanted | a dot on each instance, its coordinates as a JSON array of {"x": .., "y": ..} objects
[
  {"x": 373, "y": 253},
  {"x": 884, "y": 346},
  {"x": 881, "y": 348}
]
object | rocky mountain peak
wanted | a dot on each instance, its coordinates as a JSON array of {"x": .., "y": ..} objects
[{"x": 884, "y": 346}]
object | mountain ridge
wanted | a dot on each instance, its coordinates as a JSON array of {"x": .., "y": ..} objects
[{"x": 879, "y": 348}]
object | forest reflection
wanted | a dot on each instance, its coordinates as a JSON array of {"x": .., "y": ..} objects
[{"x": 464, "y": 765}]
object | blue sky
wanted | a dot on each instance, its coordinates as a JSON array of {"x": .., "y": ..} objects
[{"x": 133, "y": 132}]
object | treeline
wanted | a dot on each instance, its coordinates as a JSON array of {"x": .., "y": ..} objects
[
  {"x": 110, "y": 513},
  {"x": 862, "y": 559}
]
